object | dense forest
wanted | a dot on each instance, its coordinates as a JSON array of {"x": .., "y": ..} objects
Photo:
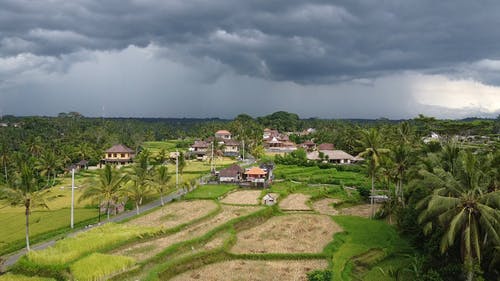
[{"x": 444, "y": 192}]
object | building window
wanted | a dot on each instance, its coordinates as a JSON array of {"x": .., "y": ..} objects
[
  {"x": 109, "y": 155},
  {"x": 122, "y": 155},
  {"x": 114, "y": 154}
]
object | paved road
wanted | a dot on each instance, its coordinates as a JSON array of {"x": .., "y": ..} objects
[{"x": 13, "y": 258}]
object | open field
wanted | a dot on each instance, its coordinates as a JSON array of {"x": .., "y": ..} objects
[
  {"x": 98, "y": 266},
  {"x": 324, "y": 206},
  {"x": 210, "y": 191},
  {"x": 155, "y": 246},
  {"x": 295, "y": 202},
  {"x": 250, "y": 270},
  {"x": 244, "y": 197},
  {"x": 12, "y": 230},
  {"x": 315, "y": 175},
  {"x": 362, "y": 236},
  {"x": 175, "y": 214},
  {"x": 363, "y": 210},
  {"x": 288, "y": 234}
]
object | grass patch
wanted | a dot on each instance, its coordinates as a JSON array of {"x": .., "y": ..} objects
[
  {"x": 97, "y": 266},
  {"x": 316, "y": 175},
  {"x": 361, "y": 236},
  {"x": 97, "y": 239},
  {"x": 43, "y": 224},
  {"x": 210, "y": 191},
  {"x": 16, "y": 277}
]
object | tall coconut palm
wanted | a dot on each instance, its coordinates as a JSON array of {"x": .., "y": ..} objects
[
  {"x": 4, "y": 159},
  {"x": 23, "y": 192},
  {"x": 160, "y": 181},
  {"x": 48, "y": 163},
  {"x": 464, "y": 207},
  {"x": 371, "y": 141},
  {"x": 139, "y": 185},
  {"x": 107, "y": 189},
  {"x": 401, "y": 158}
]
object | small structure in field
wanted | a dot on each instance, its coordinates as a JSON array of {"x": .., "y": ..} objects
[
  {"x": 269, "y": 200},
  {"x": 118, "y": 154},
  {"x": 332, "y": 156},
  {"x": 233, "y": 173}
]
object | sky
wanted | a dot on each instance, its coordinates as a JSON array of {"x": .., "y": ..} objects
[{"x": 219, "y": 58}]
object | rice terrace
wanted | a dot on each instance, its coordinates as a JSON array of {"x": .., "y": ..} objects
[{"x": 191, "y": 209}]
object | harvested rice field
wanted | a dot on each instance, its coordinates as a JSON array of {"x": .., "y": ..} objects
[
  {"x": 148, "y": 249},
  {"x": 250, "y": 270},
  {"x": 298, "y": 233},
  {"x": 244, "y": 197},
  {"x": 295, "y": 202},
  {"x": 364, "y": 210},
  {"x": 177, "y": 213},
  {"x": 324, "y": 206}
]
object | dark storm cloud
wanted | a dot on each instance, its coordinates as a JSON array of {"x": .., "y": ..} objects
[{"x": 301, "y": 41}]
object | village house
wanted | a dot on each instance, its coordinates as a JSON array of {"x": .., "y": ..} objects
[
  {"x": 256, "y": 176},
  {"x": 308, "y": 145},
  {"x": 332, "y": 156},
  {"x": 276, "y": 142},
  {"x": 199, "y": 149},
  {"x": 231, "y": 148},
  {"x": 81, "y": 165},
  {"x": 223, "y": 135},
  {"x": 118, "y": 154},
  {"x": 232, "y": 174},
  {"x": 326, "y": 146}
]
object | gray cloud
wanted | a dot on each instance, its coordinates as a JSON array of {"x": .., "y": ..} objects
[{"x": 302, "y": 41}]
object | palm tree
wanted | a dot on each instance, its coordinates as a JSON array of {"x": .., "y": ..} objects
[
  {"x": 22, "y": 192},
  {"x": 48, "y": 163},
  {"x": 371, "y": 140},
  {"x": 4, "y": 158},
  {"x": 107, "y": 189},
  {"x": 465, "y": 208},
  {"x": 138, "y": 186},
  {"x": 401, "y": 158},
  {"x": 160, "y": 180}
]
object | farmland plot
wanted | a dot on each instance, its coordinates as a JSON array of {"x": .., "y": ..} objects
[
  {"x": 295, "y": 202},
  {"x": 244, "y": 197},
  {"x": 251, "y": 270},
  {"x": 175, "y": 214},
  {"x": 288, "y": 234}
]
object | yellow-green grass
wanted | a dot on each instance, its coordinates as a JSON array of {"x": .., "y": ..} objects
[
  {"x": 97, "y": 239},
  {"x": 316, "y": 175},
  {"x": 98, "y": 266},
  {"x": 12, "y": 221},
  {"x": 210, "y": 191},
  {"x": 362, "y": 235},
  {"x": 16, "y": 277},
  {"x": 156, "y": 146}
]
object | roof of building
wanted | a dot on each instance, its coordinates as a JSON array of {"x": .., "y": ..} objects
[
  {"x": 231, "y": 171},
  {"x": 231, "y": 142},
  {"x": 199, "y": 144},
  {"x": 222, "y": 132},
  {"x": 82, "y": 163},
  {"x": 268, "y": 197},
  {"x": 326, "y": 146},
  {"x": 255, "y": 171},
  {"x": 119, "y": 148},
  {"x": 331, "y": 155},
  {"x": 308, "y": 142}
]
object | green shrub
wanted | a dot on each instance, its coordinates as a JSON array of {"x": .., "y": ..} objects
[
  {"x": 97, "y": 266},
  {"x": 319, "y": 275}
]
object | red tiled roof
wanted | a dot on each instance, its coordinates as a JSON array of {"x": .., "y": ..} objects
[
  {"x": 222, "y": 132},
  {"x": 255, "y": 171}
]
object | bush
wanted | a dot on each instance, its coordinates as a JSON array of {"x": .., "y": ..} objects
[
  {"x": 319, "y": 275},
  {"x": 364, "y": 192}
]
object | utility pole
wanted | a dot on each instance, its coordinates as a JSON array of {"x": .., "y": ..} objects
[
  {"x": 72, "y": 195},
  {"x": 243, "y": 150},
  {"x": 212, "y": 164},
  {"x": 176, "y": 169}
]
